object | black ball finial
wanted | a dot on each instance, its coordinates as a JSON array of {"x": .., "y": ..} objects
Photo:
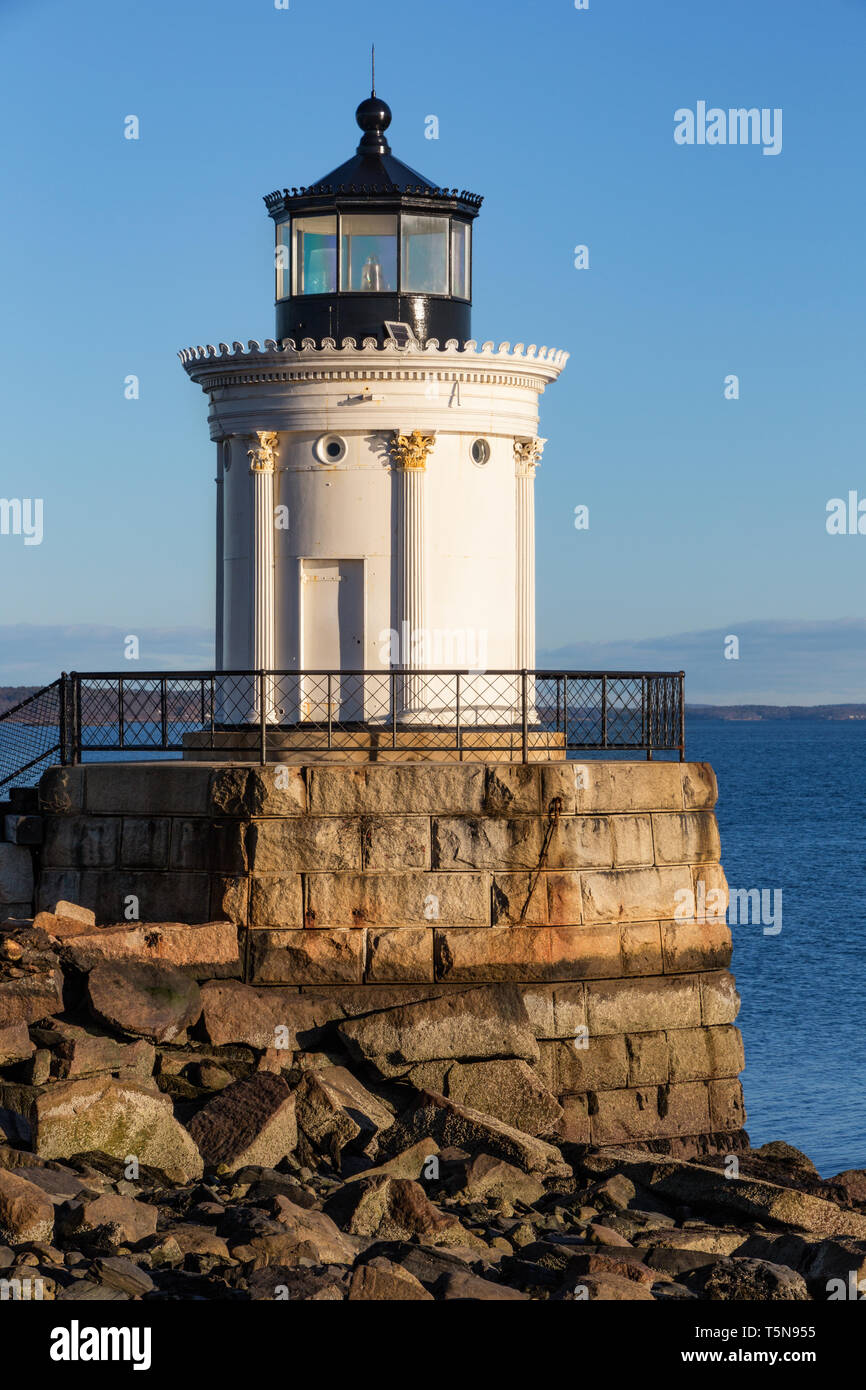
[{"x": 374, "y": 118}]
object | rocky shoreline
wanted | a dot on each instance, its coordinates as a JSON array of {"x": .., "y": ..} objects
[{"x": 169, "y": 1135}]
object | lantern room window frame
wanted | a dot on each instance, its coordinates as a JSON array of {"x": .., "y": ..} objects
[{"x": 285, "y": 242}]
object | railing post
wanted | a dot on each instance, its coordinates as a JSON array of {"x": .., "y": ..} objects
[
  {"x": 649, "y": 718},
  {"x": 121, "y": 722},
  {"x": 330, "y": 711},
  {"x": 64, "y": 719},
  {"x": 76, "y": 718},
  {"x": 263, "y": 725},
  {"x": 682, "y": 689},
  {"x": 604, "y": 711},
  {"x": 163, "y": 709},
  {"x": 212, "y": 709},
  {"x": 393, "y": 709},
  {"x": 457, "y": 715},
  {"x": 525, "y": 709}
]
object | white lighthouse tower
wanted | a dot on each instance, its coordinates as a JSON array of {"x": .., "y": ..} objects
[{"x": 375, "y": 466}]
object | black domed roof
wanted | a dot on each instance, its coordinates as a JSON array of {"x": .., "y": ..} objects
[{"x": 373, "y": 171}]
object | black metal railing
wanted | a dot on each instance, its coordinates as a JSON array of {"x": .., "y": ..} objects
[{"x": 263, "y": 714}]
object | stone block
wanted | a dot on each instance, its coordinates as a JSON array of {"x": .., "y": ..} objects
[
  {"x": 633, "y": 895},
  {"x": 276, "y": 900},
  {"x": 198, "y": 844},
  {"x": 727, "y": 1107},
  {"x": 720, "y": 1002},
  {"x": 689, "y": 946},
  {"x": 229, "y": 898},
  {"x": 538, "y": 1002},
  {"x": 400, "y": 956},
  {"x": 282, "y": 1019},
  {"x": 580, "y": 842},
  {"x": 569, "y": 1009},
  {"x": 15, "y": 1044},
  {"x": 511, "y": 789},
  {"x": 560, "y": 781},
  {"x": 61, "y": 791},
  {"x": 643, "y": 1005},
  {"x": 81, "y": 842},
  {"x": 632, "y": 840},
  {"x": 649, "y": 1112},
  {"x": 227, "y": 792},
  {"x": 144, "y": 842},
  {"x": 148, "y": 789},
  {"x": 204, "y": 951},
  {"x": 700, "y": 1053},
  {"x": 641, "y": 948},
  {"x": 520, "y": 893},
  {"x": 527, "y": 953},
  {"x": 629, "y": 786},
  {"x": 602, "y": 1065},
  {"x": 161, "y": 897},
  {"x": 23, "y": 830},
  {"x": 398, "y": 788},
  {"x": 395, "y": 842},
  {"x": 648, "y": 1059},
  {"x": 276, "y": 791},
  {"x": 564, "y": 899},
  {"x": 16, "y": 874},
  {"x": 312, "y": 844},
  {"x": 14, "y": 912},
  {"x": 508, "y": 1089},
  {"x": 406, "y": 899},
  {"x": 55, "y": 884},
  {"x": 692, "y": 837},
  {"x": 700, "y": 788},
  {"x": 711, "y": 891},
  {"x": 307, "y": 957},
  {"x": 574, "y": 1128},
  {"x": 467, "y": 842}
]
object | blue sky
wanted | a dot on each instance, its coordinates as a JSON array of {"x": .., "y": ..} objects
[{"x": 706, "y": 515}]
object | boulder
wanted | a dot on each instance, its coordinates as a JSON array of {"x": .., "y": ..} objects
[
  {"x": 487, "y": 1177},
  {"x": 410, "y": 1163},
  {"x": 26, "y": 1213},
  {"x": 26, "y": 998},
  {"x": 305, "y": 1236},
  {"x": 458, "y": 1126},
  {"x": 261, "y": 1018},
  {"x": 474, "y": 1023},
  {"x": 611, "y": 1288},
  {"x": 149, "y": 1000},
  {"x": 396, "y": 1209},
  {"x": 107, "y": 1221},
  {"x": 118, "y": 1118},
  {"x": 251, "y": 1121},
  {"x": 510, "y": 1090},
  {"x": 381, "y": 1281},
  {"x": 73, "y": 913},
  {"x": 335, "y": 1112},
  {"x": 744, "y": 1279},
  {"x": 78, "y": 1052},
  {"x": 205, "y": 949},
  {"x": 324, "y": 1284},
  {"x": 15, "y": 1044}
]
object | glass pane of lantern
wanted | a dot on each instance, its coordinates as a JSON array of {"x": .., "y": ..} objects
[
  {"x": 315, "y": 255},
  {"x": 368, "y": 254},
  {"x": 425, "y": 255},
  {"x": 282, "y": 259},
  {"x": 461, "y": 241}
]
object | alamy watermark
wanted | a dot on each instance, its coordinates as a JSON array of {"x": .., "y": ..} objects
[
  {"x": 458, "y": 648},
  {"x": 713, "y": 125},
  {"x": 22, "y": 516},
  {"x": 737, "y": 906}
]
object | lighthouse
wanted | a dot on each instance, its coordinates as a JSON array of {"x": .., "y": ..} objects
[{"x": 375, "y": 465}]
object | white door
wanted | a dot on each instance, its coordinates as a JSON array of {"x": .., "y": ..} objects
[{"x": 332, "y": 637}]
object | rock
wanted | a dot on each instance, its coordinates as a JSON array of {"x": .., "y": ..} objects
[
  {"x": 381, "y": 1281},
  {"x": 396, "y": 1209},
  {"x": 461, "y": 1127},
  {"x": 615, "y": 1192},
  {"x": 200, "y": 1241},
  {"x": 611, "y": 1288},
  {"x": 107, "y": 1221},
  {"x": 606, "y": 1235},
  {"x": 121, "y": 1274},
  {"x": 297, "y": 1285},
  {"x": 509, "y": 1090},
  {"x": 470, "y": 1024},
  {"x": 852, "y": 1181},
  {"x": 119, "y": 1118},
  {"x": 263, "y": 1018},
  {"x": 305, "y": 1235},
  {"x": 251, "y": 1121},
  {"x": 27, "y": 998},
  {"x": 15, "y": 1044},
  {"x": 80, "y": 1052},
  {"x": 747, "y": 1279},
  {"x": 460, "y": 1284},
  {"x": 72, "y": 912},
  {"x": 335, "y": 1112},
  {"x": 59, "y": 928},
  {"x": 204, "y": 950},
  {"x": 410, "y": 1163},
  {"x": 26, "y": 1213},
  {"x": 621, "y": 1263},
  {"x": 149, "y": 1000},
  {"x": 819, "y": 1261},
  {"x": 487, "y": 1176},
  {"x": 708, "y": 1240},
  {"x": 787, "y": 1155}
]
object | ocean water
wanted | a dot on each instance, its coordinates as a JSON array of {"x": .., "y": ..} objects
[{"x": 792, "y": 817}]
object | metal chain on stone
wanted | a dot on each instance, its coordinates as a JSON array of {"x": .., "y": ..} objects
[{"x": 554, "y": 811}]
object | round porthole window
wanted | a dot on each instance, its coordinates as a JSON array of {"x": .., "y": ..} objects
[
  {"x": 480, "y": 452},
  {"x": 331, "y": 448}
]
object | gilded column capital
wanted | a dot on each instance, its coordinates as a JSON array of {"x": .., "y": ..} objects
[
  {"x": 263, "y": 459},
  {"x": 527, "y": 455},
  {"x": 411, "y": 450}
]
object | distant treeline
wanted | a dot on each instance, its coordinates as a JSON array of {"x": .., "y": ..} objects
[
  {"x": 12, "y": 695},
  {"x": 776, "y": 711}
]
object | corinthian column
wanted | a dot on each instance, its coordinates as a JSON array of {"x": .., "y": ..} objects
[
  {"x": 527, "y": 456},
  {"x": 263, "y": 460},
  {"x": 410, "y": 452}
]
